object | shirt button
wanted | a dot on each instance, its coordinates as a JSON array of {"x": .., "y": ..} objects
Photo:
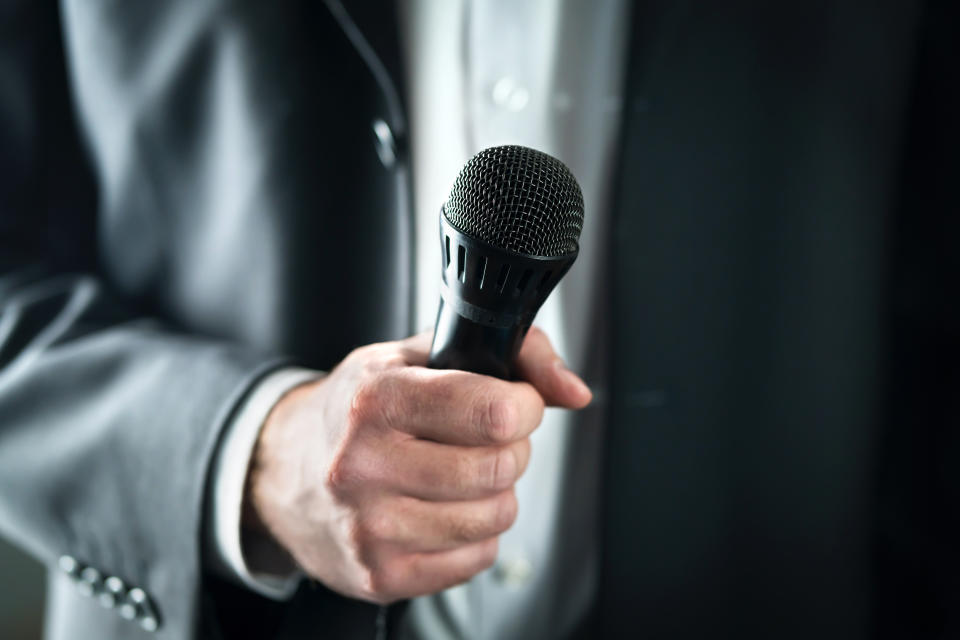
[
  {"x": 509, "y": 95},
  {"x": 149, "y": 623},
  {"x": 513, "y": 571},
  {"x": 113, "y": 592},
  {"x": 145, "y": 613},
  {"x": 384, "y": 143},
  {"x": 90, "y": 582},
  {"x": 128, "y": 611}
]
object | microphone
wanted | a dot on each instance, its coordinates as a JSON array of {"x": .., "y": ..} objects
[{"x": 508, "y": 233}]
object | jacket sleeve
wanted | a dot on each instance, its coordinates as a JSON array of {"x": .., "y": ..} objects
[{"x": 108, "y": 415}]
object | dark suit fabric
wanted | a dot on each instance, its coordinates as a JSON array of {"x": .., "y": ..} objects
[
  {"x": 785, "y": 332},
  {"x": 190, "y": 196}
]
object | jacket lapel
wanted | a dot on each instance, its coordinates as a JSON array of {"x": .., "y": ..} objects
[{"x": 373, "y": 28}]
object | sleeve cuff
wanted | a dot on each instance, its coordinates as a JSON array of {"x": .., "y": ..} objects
[{"x": 228, "y": 479}]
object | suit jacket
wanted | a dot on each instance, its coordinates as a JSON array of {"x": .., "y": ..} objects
[{"x": 191, "y": 194}]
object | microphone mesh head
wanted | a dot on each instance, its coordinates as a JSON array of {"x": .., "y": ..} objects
[{"x": 518, "y": 199}]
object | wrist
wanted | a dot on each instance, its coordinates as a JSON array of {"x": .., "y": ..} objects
[
  {"x": 266, "y": 484},
  {"x": 230, "y": 541}
]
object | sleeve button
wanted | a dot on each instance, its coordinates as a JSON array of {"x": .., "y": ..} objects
[
  {"x": 113, "y": 592},
  {"x": 385, "y": 145},
  {"x": 90, "y": 582},
  {"x": 70, "y": 566},
  {"x": 147, "y": 615},
  {"x": 149, "y": 623}
]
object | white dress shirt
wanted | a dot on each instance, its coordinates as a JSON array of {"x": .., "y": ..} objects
[
  {"x": 545, "y": 74},
  {"x": 229, "y": 476}
]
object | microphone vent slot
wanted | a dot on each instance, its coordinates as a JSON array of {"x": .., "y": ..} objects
[
  {"x": 461, "y": 263},
  {"x": 522, "y": 283},
  {"x": 502, "y": 278},
  {"x": 481, "y": 271},
  {"x": 543, "y": 281},
  {"x": 446, "y": 251}
]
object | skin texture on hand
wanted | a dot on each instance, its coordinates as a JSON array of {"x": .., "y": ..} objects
[{"x": 387, "y": 480}]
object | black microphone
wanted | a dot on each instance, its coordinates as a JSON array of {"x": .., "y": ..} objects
[{"x": 508, "y": 232}]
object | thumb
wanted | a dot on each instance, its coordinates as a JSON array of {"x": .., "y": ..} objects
[{"x": 540, "y": 365}]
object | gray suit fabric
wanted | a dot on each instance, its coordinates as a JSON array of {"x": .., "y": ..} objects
[
  {"x": 190, "y": 190},
  {"x": 152, "y": 272}
]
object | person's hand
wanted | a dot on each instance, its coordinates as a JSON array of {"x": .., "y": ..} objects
[{"x": 388, "y": 480}]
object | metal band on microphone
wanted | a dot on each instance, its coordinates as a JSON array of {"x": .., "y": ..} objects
[{"x": 486, "y": 317}]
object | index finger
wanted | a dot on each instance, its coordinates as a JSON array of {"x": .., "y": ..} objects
[
  {"x": 459, "y": 407},
  {"x": 416, "y": 348},
  {"x": 537, "y": 363}
]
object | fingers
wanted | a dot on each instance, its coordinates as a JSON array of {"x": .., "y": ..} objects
[
  {"x": 414, "y": 481},
  {"x": 411, "y": 525},
  {"x": 464, "y": 408},
  {"x": 413, "y": 547},
  {"x": 453, "y": 407},
  {"x": 413, "y": 575},
  {"x": 438, "y": 472},
  {"x": 540, "y": 365}
]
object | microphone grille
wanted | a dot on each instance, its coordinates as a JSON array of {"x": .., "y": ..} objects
[{"x": 518, "y": 199}]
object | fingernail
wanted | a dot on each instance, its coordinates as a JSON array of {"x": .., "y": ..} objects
[{"x": 572, "y": 378}]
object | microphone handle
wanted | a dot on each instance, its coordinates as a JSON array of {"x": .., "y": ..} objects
[{"x": 460, "y": 343}]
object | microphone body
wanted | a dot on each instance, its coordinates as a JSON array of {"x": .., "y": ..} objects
[
  {"x": 488, "y": 299},
  {"x": 469, "y": 346},
  {"x": 508, "y": 232}
]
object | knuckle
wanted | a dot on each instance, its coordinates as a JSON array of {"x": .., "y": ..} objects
[
  {"x": 463, "y": 476},
  {"x": 372, "y": 529},
  {"x": 501, "y": 469},
  {"x": 340, "y": 475},
  {"x": 364, "y": 404},
  {"x": 365, "y": 555},
  {"x": 481, "y": 475},
  {"x": 381, "y": 585},
  {"x": 373, "y": 402},
  {"x": 466, "y": 529},
  {"x": 363, "y": 359},
  {"x": 392, "y": 357},
  {"x": 384, "y": 355},
  {"x": 483, "y": 472},
  {"x": 499, "y": 419},
  {"x": 373, "y": 358},
  {"x": 359, "y": 541},
  {"x": 353, "y": 467},
  {"x": 361, "y": 354},
  {"x": 378, "y": 527}
]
